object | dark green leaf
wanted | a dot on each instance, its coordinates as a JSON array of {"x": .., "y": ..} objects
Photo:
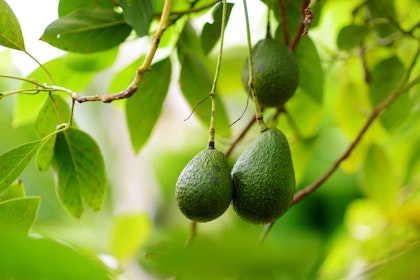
[
  {"x": 19, "y": 212},
  {"x": 54, "y": 112},
  {"x": 143, "y": 109},
  {"x": 65, "y": 7},
  {"x": 10, "y": 32},
  {"x": 14, "y": 191},
  {"x": 380, "y": 9},
  {"x": 138, "y": 14},
  {"x": 351, "y": 36},
  {"x": 196, "y": 83},
  {"x": 14, "y": 161},
  {"x": 211, "y": 31},
  {"x": 311, "y": 74},
  {"x": 81, "y": 171},
  {"x": 87, "y": 31},
  {"x": 44, "y": 258}
]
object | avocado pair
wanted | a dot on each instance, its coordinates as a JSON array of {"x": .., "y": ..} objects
[{"x": 261, "y": 184}]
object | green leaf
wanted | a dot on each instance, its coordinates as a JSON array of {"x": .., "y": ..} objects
[
  {"x": 138, "y": 14},
  {"x": 122, "y": 79},
  {"x": 54, "y": 112},
  {"x": 211, "y": 31},
  {"x": 311, "y": 74},
  {"x": 385, "y": 78},
  {"x": 81, "y": 171},
  {"x": 143, "y": 108},
  {"x": 27, "y": 106},
  {"x": 87, "y": 31},
  {"x": 196, "y": 83},
  {"x": 65, "y": 7},
  {"x": 378, "y": 180},
  {"x": 128, "y": 233},
  {"x": 351, "y": 36},
  {"x": 44, "y": 258},
  {"x": 91, "y": 62},
  {"x": 10, "y": 31},
  {"x": 19, "y": 212},
  {"x": 14, "y": 191},
  {"x": 14, "y": 161}
]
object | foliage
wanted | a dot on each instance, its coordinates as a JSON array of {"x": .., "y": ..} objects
[{"x": 352, "y": 125}]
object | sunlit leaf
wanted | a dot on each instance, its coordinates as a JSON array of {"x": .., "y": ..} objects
[
  {"x": 65, "y": 7},
  {"x": 143, "y": 109},
  {"x": 87, "y": 31},
  {"x": 128, "y": 233},
  {"x": 81, "y": 171},
  {"x": 14, "y": 161},
  {"x": 311, "y": 74},
  {"x": 45, "y": 258},
  {"x": 54, "y": 112},
  {"x": 378, "y": 180},
  {"x": 19, "y": 212},
  {"x": 138, "y": 14},
  {"x": 10, "y": 32},
  {"x": 196, "y": 83},
  {"x": 123, "y": 78},
  {"x": 92, "y": 61},
  {"x": 351, "y": 36},
  {"x": 15, "y": 190},
  {"x": 211, "y": 31}
]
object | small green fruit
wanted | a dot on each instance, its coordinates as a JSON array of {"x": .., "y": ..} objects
[
  {"x": 204, "y": 188},
  {"x": 264, "y": 179},
  {"x": 275, "y": 71}
]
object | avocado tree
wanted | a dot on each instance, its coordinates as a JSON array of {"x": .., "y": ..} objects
[{"x": 212, "y": 139}]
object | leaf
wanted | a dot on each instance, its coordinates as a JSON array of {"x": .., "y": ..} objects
[
  {"x": 311, "y": 74},
  {"x": 385, "y": 78},
  {"x": 378, "y": 180},
  {"x": 143, "y": 108},
  {"x": 196, "y": 83},
  {"x": 122, "y": 79},
  {"x": 138, "y": 14},
  {"x": 211, "y": 31},
  {"x": 128, "y": 233},
  {"x": 351, "y": 36},
  {"x": 81, "y": 171},
  {"x": 65, "y": 7},
  {"x": 91, "y": 62},
  {"x": 54, "y": 112},
  {"x": 44, "y": 258},
  {"x": 10, "y": 31},
  {"x": 14, "y": 191},
  {"x": 19, "y": 212},
  {"x": 87, "y": 31},
  {"x": 14, "y": 161}
]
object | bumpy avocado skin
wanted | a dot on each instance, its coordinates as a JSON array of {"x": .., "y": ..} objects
[
  {"x": 275, "y": 70},
  {"x": 263, "y": 178},
  {"x": 204, "y": 188}
]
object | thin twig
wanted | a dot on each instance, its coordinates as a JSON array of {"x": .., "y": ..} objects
[
  {"x": 283, "y": 21},
  {"x": 301, "y": 28},
  {"x": 380, "y": 108},
  {"x": 239, "y": 137},
  {"x": 192, "y": 234}
]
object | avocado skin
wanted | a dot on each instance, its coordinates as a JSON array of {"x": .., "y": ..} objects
[
  {"x": 204, "y": 188},
  {"x": 275, "y": 71},
  {"x": 263, "y": 178}
]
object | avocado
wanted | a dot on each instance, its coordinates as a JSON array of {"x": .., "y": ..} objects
[
  {"x": 263, "y": 178},
  {"x": 204, "y": 188},
  {"x": 275, "y": 72}
]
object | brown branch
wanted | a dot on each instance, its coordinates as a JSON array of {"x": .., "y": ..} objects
[
  {"x": 283, "y": 21},
  {"x": 380, "y": 108},
  {"x": 303, "y": 27}
]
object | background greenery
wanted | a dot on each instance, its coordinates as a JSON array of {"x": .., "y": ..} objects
[{"x": 362, "y": 223}]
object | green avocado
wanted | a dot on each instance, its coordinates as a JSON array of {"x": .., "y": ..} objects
[
  {"x": 264, "y": 179},
  {"x": 204, "y": 188},
  {"x": 275, "y": 71}
]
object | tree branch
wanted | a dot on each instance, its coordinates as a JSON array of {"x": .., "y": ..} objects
[{"x": 304, "y": 25}]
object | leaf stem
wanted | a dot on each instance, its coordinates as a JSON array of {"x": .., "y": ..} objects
[
  {"x": 379, "y": 109},
  {"x": 40, "y": 65}
]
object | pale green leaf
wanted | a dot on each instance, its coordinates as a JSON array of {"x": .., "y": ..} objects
[
  {"x": 65, "y": 7},
  {"x": 138, "y": 14},
  {"x": 351, "y": 36},
  {"x": 10, "y": 32},
  {"x": 128, "y": 233},
  {"x": 87, "y": 31},
  {"x": 81, "y": 171},
  {"x": 14, "y": 161},
  {"x": 19, "y": 212},
  {"x": 143, "y": 108},
  {"x": 91, "y": 62},
  {"x": 13, "y": 191}
]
